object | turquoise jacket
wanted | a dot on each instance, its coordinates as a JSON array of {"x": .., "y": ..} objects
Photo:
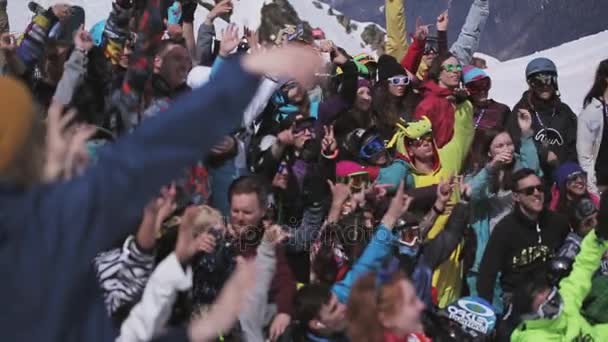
[
  {"x": 485, "y": 205},
  {"x": 376, "y": 251},
  {"x": 571, "y": 325}
]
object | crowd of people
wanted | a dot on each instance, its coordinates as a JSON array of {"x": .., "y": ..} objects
[{"x": 267, "y": 185}]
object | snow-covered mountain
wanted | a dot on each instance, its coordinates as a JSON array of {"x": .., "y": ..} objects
[
  {"x": 576, "y": 60},
  {"x": 515, "y": 28},
  {"x": 353, "y": 36}
]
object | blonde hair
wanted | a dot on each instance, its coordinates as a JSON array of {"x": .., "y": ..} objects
[{"x": 207, "y": 219}]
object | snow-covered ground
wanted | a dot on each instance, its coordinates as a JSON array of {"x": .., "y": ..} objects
[{"x": 576, "y": 61}]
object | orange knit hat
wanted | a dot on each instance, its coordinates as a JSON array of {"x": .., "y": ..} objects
[{"x": 16, "y": 119}]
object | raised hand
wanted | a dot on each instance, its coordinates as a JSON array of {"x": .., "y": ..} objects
[
  {"x": 328, "y": 143},
  {"x": 296, "y": 62},
  {"x": 340, "y": 193},
  {"x": 58, "y": 139},
  {"x": 187, "y": 243},
  {"x": 230, "y": 40},
  {"x": 442, "y": 21},
  {"x": 8, "y": 42},
  {"x": 223, "y": 7},
  {"x": 275, "y": 234},
  {"x": 83, "y": 40},
  {"x": 62, "y": 11},
  {"x": 77, "y": 156},
  {"x": 422, "y": 31},
  {"x": 524, "y": 120},
  {"x": 399, "y": 205}
]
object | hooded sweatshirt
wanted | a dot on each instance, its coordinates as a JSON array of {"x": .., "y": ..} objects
[
  {"x": 519, "y": 246},
  {"x": 448, "y": 161},
  {"x": 554, "y": 128}
]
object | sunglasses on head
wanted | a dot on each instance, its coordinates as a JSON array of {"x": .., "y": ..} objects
[
  {"x": 399, "y": 80},
  {"x": 430, "y": 50},
  {"x": 452, "y": 67},
  {"x": 372, "y": 148},
  {"x": 542, "y": 80},
  {"x": 576, "y": 175},
  {"x": 357, "y": 180},
  {"x": 419, "y": 141},
  {"x": 528, "y": 191}
]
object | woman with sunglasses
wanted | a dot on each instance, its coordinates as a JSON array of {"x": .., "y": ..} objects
[
  {"x": 496, "y": 159},
  {"x": 569, "y": 188},
  {"x": 393, "y": 97},
  {"x": 440, "y": 103}
]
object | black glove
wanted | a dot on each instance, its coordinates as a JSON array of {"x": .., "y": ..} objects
[{"x": 188, "y": 9}]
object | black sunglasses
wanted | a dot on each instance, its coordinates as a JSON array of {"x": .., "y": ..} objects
[{"x": 530, "y": 190}]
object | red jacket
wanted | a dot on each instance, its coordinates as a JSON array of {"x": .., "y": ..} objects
[
  {"x": 413, "y": 57},
  {"x": 437, "y": 106}
]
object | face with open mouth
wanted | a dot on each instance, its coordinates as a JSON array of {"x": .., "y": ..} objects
[
  {"x": 576, "y": 185},
  {"x": 529, "y": 193}
]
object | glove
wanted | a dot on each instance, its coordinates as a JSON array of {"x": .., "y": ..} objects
[{"x": 188, "y": 9}]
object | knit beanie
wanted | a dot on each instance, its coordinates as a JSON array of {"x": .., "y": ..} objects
[
  {"x": 471, "y": 74},
  {"x": 363, "y": 83},
  {"x": 16, "y": 121},
  {"x": 565, "y": 170},
  {"x": 389, "y": 67}
]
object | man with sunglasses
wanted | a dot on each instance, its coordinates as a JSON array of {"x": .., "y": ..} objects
[
  {"x": 553, "y": 121},
  {"x": 554, "y": 314},
  {"x": 523, "y": 241}
]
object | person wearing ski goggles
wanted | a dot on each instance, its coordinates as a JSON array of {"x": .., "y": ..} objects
[{"x": 488, "y": 114}]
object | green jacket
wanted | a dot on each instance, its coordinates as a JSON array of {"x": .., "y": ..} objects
[{"x": 571, "y": 325}]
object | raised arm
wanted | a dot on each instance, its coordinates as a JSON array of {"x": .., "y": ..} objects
[{"x": 468, "y": 39}]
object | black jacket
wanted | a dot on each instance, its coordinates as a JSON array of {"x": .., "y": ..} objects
[
  {"x": 554, "y": 126},
  {"x": 516, "y": 249}
]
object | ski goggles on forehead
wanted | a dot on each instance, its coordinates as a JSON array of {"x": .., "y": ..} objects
[
  {"x": 399, "y": 80},
  {"x": 576, "y": 175},
  {"x": 372, "y": 148},
  {"x": 357, "y": 180},
  {"x": 430, "y": 50},
  {"x": 543, "y": 79},
  {"x": 452, "y": 67}
]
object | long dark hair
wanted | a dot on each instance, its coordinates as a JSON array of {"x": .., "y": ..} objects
[
  {"x": 435, "y": 68},
  {"x": 599, "y": 85},
  {"x": 389, "y": 108},
  {"x": 479, "y": 158}
]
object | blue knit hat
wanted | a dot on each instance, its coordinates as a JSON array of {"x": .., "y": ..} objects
[
  {"x": 565, "y": 170},
  {"x": 471, "y": 74}
]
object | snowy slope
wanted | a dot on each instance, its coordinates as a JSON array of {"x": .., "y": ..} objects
[
  {"x": 246, "y": 12},
  {"x": 576, "y": 63}
]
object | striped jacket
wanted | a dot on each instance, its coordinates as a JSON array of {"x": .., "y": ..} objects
[{"x": 122, "y": 274}]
